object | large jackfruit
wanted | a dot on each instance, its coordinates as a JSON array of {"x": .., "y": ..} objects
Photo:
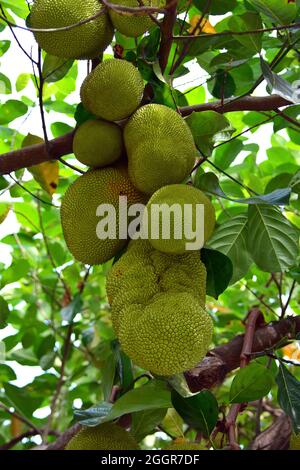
[
  {"x": 182, "y": 203},
  {"x": 160, "y": 148},
  {"x": 79, "y": 207},
  {"x": 113, "y": 90},
  {"x": 158, "y": 311},
  {"x": 81, "y": 42},
  {"x": 98, "y": 143},
  {"x": 107, "y": 436},
  {"x": 132, "y": 25}
]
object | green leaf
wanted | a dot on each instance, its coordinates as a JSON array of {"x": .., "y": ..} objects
[
  {"x": 5, "y": 85},
  {"x": 272, "y": 240},
  {"x": 11, "y": 110},
  {"x": 124, "y": 366},
  {"x": 25, "y": 357},
  {"x": 81, "y": 114},
  {"x": 227, "y": 153},
  {"x": 15, "y": 272},
  {"x": 4, "y": 46},
  {"x": 280, "y": 11},
  {"x": 60, "y": 128},
  {"x": 199, "y": 411},
  {"x": 144, "y": 422},
  {"x": 6, "y": 374},
  {"x": 208, "y": 128},
  {"x": 249, "y": 21},
  {"x": 94, "y": 415},
  {"x": 4, "y": 312},
  {"x": 209, "y": 183},
  {"x": 219, "y": 7},
  {"x": 47, "y": 361},
  {"x": 279, "y": 85},
  {"x": 250, "y": 383},
  {"x": 55, "y": 68},
  {"x": 289, "y": 395},
  {"x": 25, "y": 402},
  {"x": 219, "y": 271},
  {"x": 68, "y": 313},
  {"x": 223, "y": 85},
  {"x": 151, "y": 396},
  {"x": 231, "y": 239},
  {"x": 22, "y": 81},
  {"x": 173, "y": 423}
]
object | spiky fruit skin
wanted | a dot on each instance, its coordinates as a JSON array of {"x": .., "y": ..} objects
[
  {"x": 160, "y": 148},
  {"x": 113, "y": 90},
  {"x": 107, "y": 436},
  {"x": 78, "y": 212},
  {"x": 182, "y": 444},
  {"x": 295, "y": 442},
  {"x": 181, "y": 195},
  {"x": 98, "y": 143},
  {"x": 158, "y": 311},
  {"x": 83, "y": 42},
  {"x": 132, "y": 26}
]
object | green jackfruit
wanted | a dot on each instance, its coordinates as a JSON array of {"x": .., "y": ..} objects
[
  {"x": 132, "y": 26},
  {"x": 79, "y": 207},
  {"x": 295, "y": 441},
  {"x": 160, "y": 148},
  {"x": 183, "y": 444},
  {"x": 180, "y": 197},
  {"x": 158, "y": 311},
  {"x": 98, "y": 143},
  {"x": 107, "y": 436},
  {"x": 113, "y": 90},
  {"x": 82, "y": 42}
]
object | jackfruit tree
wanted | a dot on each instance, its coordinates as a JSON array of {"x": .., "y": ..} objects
[{"x": 149, "y": 225}]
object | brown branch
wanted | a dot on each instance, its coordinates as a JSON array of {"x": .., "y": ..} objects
[
  {"x": 225, "y": 358},
  {"x": 64, "y": 438},
  {"x": 35, "y": 154},
  {"x": 20, "y": 418},
  {"x": 167, "y": 34},
  {"x": 276, "y": 437},
  {"x": 20, "y": 437}
]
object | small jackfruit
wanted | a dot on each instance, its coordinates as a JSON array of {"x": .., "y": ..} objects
[
  {"x": 183, "y": 444},
  {"x": 160, "y": 148},
  {"x": 132, "y": 25},
  {"x": 107, "y": 436},
  {"x": 98, "y": 143},
  {"x": 113, "y": 90},
  {"x": 158, "y": 311},
  {"x": 79, "y": 213},
  {"x": 182, "y": 203},
  {"x": 81, "y": 42},
  {"x": 295, "y": 441}
]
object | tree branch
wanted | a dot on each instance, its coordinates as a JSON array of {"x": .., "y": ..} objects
[
  {"x": 35, "y": 154},
  {"x": 225, "y": 358},
  {"x": 167, "y": 34}
]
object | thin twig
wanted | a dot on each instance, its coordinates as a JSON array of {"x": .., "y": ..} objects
[{"x": 20, "y": 418}]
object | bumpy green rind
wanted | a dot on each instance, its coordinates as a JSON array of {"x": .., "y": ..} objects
[
  {"x": 82, "y": 42},
  {"x": 160, "y": 148},
  {"x": 295, "y": 441},
  {"x": 113, "y": 90},
  {"x": 132, "y": 26},
  {"x": 98, "y": 143},
  {"x": 107, "y": 436}
]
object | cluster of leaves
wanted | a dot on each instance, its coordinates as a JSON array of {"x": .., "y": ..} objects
[{"x": 54, "y": 314}]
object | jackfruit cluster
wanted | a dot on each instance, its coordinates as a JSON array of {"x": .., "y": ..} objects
[
  {"x": 158, "y": 308},
  {"x": 107, "y": 436}
]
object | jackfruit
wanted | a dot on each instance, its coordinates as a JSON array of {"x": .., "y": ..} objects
[
  {"x": 79, "y": 207},
  {"x": 98, "y": 143},
  {"x": 180, "y": 202},
  {"x": 81, "y": 42},
  {"x": 160, "y": 148},
  {"x": 113, "y": 90},
  {"x": 183, "y": 444},
  {"x": 158, "y": 311},
  {"x": 107, "y": 436},
  {"x": 132, "y": 25},
  {"x": 295, "y": 441}
]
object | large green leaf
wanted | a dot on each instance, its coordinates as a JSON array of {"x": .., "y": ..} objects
[
  {"x": 250, "y": 383},
  {"x": 249, "y": 21},
  {"x": 144, "y": 422},
  {"x": 231, "y": 239},
  {"x": 279, "y": 11},
  {"x": 272, "y": 240},
  {"x": 11, "y": 110},
  {"x": 219, "y": 271},
  {"x": 199, "y": 411},
  {"x": 4, "y": 312},
  {"x": 289, "y": 395},
  {"x": 55, "y": 68}
]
